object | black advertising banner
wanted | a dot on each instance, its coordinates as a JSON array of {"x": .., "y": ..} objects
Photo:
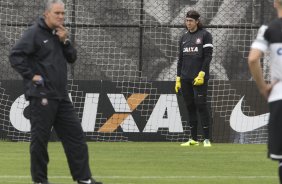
[{"x": 111, "y": 111}]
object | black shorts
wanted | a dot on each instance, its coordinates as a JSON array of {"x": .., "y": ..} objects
[{"x": 275, "y": 130}]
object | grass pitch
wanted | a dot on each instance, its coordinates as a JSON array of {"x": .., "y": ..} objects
[{"x": 149, "y": 163}]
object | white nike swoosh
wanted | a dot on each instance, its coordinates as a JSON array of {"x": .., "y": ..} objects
[
  {"x": 242, "y": 123},
  {"x": 86, "y": 182}
]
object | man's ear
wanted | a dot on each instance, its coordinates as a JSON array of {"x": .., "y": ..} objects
[
  {"x": 45, "y": 13},
  {"x": 275, "y": 4}
]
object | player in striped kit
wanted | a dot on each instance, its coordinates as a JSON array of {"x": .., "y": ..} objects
[{"x": 269, "y": 37}]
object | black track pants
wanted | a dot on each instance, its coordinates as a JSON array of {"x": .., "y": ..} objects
[{"x": 60, "y": 115}]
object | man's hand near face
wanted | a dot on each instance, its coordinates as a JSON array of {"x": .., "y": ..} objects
[{"x": 62, "y": 33}]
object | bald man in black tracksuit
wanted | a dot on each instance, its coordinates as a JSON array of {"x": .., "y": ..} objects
[
  {"x": 195, "y": 55},
  {"x": 41, "y": 57}
]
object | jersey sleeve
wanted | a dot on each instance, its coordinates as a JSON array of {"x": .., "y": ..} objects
[
  {"x": 207, "y": 42},
  {"x": 260, "y": 42},
  {"x": 180, "y": 57},
  {"x": 208, "y": 50}
]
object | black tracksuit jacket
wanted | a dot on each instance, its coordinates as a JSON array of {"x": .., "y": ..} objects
[{"x": 40, "y": 52}]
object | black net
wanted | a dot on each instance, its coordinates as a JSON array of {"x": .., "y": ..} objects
[{"x": 133, "y": 44}]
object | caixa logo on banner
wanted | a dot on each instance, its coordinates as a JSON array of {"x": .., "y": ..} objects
[{"x": 123, "y": 108}]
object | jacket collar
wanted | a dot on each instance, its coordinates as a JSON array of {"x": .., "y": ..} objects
[{"x": 43, "y": 25}]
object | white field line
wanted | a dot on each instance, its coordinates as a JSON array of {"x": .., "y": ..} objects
[{"x": 146, "y": 177}]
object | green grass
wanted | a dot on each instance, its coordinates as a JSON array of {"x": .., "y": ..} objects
[{"x": 149, "y": 163}]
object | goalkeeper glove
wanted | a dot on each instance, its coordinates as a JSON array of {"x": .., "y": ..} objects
[
  {"x": 177, "y": 84},
  {"x": 199, "y": 80}
]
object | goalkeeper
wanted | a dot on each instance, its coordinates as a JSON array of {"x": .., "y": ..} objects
[{"x": 195, "y": 55}]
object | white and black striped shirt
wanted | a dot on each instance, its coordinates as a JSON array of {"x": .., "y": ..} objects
[{"x": 270, "y": 38}]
